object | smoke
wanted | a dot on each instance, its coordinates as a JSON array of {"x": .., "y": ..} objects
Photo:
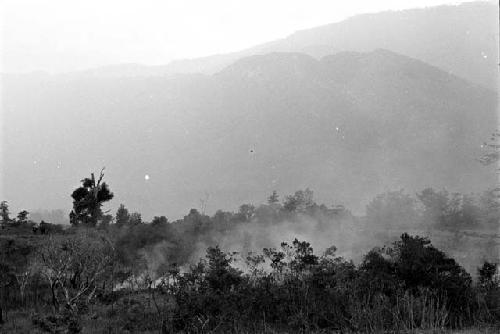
[
  {"x": 388, "y": 217},
  {"x": 251, "y": 237},
  {"x": 58, "y": 216},
  {"x": 156, "y": 257}
]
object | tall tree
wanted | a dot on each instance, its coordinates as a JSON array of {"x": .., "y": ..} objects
[
  {"x": 4, "y": 211},
  {"x": 88, "y": 200}
]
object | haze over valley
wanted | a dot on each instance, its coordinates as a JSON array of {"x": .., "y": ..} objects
[{"x": 329, "y": 108}]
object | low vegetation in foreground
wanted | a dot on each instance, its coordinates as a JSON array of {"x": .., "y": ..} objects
[{"x": 108, "y": 274}]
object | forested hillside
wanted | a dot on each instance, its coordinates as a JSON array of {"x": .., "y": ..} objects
[{"x": 350, "y": 126}]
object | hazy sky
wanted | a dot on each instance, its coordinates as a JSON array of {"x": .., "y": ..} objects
[{"x": 66, "y": 35}]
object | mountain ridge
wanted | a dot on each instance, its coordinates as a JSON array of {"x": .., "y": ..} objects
[
  {"x": 396, "y": 122},
  {"x": 461, "y": 39}
]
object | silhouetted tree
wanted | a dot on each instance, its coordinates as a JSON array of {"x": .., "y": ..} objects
[
  {"x": 487, "y": 275},
  {"x": 122, "y": 217},
  {"x": 88, "y": 200},
  {"x": 220, "y": 275},
  {"x": 303, "y": 255},
  {"x": 22, "y": 217},
  {"x": 162, "y": 220},
  {"x": 4, "y": 211}
]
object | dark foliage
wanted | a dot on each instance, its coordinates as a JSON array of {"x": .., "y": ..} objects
[
  {"x": 88, "y": 200},
  {"x": 140, "y": 276}
]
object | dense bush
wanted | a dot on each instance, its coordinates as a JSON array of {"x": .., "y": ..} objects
[
  {"x": 139, "y": 276},
  {"x": 406, "y": 286}
]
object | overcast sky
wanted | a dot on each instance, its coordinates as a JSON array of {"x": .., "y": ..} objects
[{"x": 67, "y": 35}]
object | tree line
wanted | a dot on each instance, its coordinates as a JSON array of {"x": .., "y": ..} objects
[{"x": 120, "y": 272}]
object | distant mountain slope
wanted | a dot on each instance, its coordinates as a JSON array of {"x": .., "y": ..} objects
[
  {"x": 462, "y": 40},
  {"x": 348, "y": 126}
]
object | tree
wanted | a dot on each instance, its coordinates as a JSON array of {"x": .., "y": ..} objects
[
  {"x": 105, "y": 221},
  {"x": 419, "y": 263},
  {"x": 488, "y": 277},
  {"x": 88, "y": 200},
  {"x": 300, "y": 201},
  {"x": 122, "y": 216},
  {"x": 303, "y": 256},
  {"x": 392, "y": 209},
  {"x": 246, "y": 212},
  {"x": 158, "y": 221},
  {"x": 273, "y": 198},
  {"x": 450, "y": 211},
  {"x": 436, "y": 205},
  {"x": 4, "y": 212},
  {"x": 463, "y": 212},
  {"x": 74, "y": 267},
  {"x": 414, "y": 264},
  {"x": 220, "y": 275},
  {"x": 22, "y": 217},
  {"x": 135, "y": 218}
]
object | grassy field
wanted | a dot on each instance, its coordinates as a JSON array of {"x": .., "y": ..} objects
[{"x": 21, "y": 322}]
